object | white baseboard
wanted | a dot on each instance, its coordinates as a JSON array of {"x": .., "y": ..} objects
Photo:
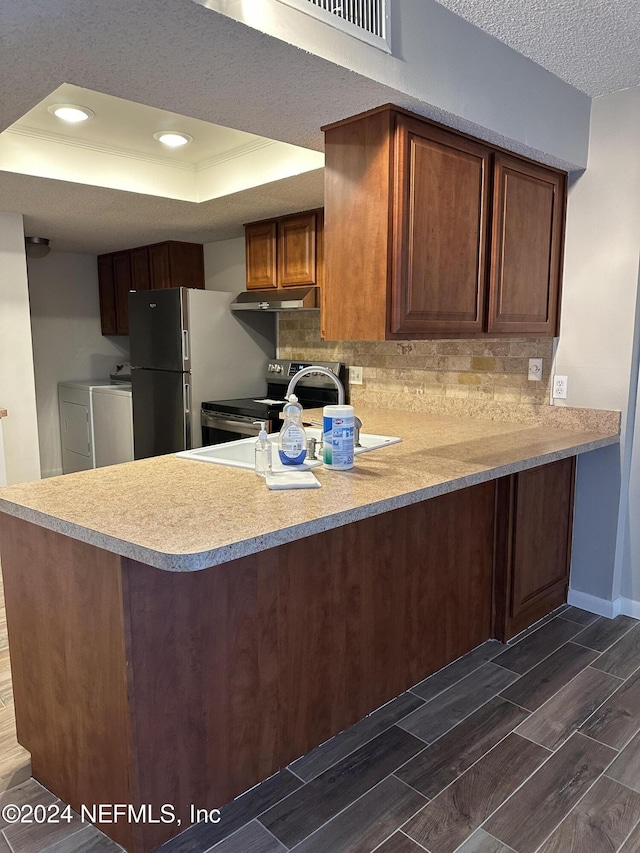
[
  {"x": 601, "y": 606},
  {"x": 630, "y": 607},
  {"x": 604, "y": 607}
]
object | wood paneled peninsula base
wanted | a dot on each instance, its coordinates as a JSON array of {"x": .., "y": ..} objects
[{"x": 136, "y": 685}]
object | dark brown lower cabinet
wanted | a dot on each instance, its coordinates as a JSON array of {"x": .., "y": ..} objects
[
  {"x": 534, "y": 520},
  {"x": 135, "y": 685}
]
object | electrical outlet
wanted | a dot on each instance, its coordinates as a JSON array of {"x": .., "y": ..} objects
[
  {"x": 535, "y": 369},
  {"x": 560, "y": 387},
  {"x": 355, "y": 375}
]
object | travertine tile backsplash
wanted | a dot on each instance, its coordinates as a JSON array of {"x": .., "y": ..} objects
[{"x": 487, "y": 370}]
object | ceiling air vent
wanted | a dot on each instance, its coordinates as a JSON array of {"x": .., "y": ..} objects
[{"x": 367, "y": 20}]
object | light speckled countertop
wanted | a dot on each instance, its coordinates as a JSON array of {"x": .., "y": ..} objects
[{"x": 181, "y": 515}]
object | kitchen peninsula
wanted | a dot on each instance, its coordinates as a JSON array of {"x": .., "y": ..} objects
[{"x": 178, "y": 632}]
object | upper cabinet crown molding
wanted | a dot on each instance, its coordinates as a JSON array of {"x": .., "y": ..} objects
[{"x": 431, "y": 233}]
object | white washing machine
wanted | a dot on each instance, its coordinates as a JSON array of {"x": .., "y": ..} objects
[{"x": 92, "y": 437}]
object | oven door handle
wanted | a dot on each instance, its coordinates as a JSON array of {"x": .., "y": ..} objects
[{"x": 242, "y": 427}]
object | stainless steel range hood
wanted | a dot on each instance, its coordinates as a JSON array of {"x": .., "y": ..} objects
[{"x": 291, "y": 299}]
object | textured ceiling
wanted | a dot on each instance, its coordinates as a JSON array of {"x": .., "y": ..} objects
[
  {"x": 79, "y": 218},
  {"x": 592, "y": 44},
  {"x": 178, "y": 56}
]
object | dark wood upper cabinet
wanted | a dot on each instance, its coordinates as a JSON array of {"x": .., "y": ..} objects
[
  {"x": 162, "y": 265},
  {"x": 285, "y": 252},
  {"x": 320, "y": 248},
  {"x": 526, "y": 255},
  {"x": 107, "y": 295},
  {"x": 122, "y": 284},
  {"x": 175, "y": 264},
  {"x": 442, "y": 202},
  {"x": 140, "y": 278},
  {"x": 413, "y": 249},
  {"x": 159, "y": 268},
  {"x": 534, "y": 522},
  {"x": 261, "y": 248}
]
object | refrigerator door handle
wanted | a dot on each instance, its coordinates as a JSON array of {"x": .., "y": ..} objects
[
  {"x": 185, "y": 344},
  {"x": 187, "y": 398}
]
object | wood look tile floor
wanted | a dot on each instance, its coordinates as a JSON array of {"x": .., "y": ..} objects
[{"x": 529, "y": 747}]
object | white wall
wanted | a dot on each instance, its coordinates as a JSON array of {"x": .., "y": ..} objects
[
  {"x": 630, "y": 570},
  {"x": 17, "y": 387},
  {"x": 444, "y": 61},
  {"x": 598, "y": 328},
  {"x": 224, "y": 267},
  {"x": 67, "y": 341}
]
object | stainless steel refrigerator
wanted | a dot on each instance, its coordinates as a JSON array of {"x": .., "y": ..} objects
[{"x": 187, "y": 347}]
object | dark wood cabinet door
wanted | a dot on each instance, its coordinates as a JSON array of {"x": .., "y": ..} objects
[
  {"x": 186, "y": 264},
  {"x": 526, "y": 255},
  {"x": 534, "y": 521},
  {"x": 175, "y": 264},
  {"x": 140, "y": 279},
  {"x": 441, "y": 208},
  {"x": 122, "y": 286},
  {"x": 107, "y": 295},
  {"x": 159, "y": 266},
  {"x": 297, "y": 250},
  {"x": 260, "y": 244}
]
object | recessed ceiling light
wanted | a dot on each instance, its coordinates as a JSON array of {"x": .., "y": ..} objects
[
  {"x": 172, "y": 138},
  {"x": 71, "y": 112}
]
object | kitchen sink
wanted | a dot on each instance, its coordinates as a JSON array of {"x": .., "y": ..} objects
[{"x": 240, "y": 454}]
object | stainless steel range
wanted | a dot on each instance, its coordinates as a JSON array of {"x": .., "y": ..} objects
[{"x": 228, "y": 420}]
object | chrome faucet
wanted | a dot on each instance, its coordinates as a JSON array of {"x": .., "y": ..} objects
[
  {"x": 357, "y": 426},
  {"x": 306, "y": 371}
]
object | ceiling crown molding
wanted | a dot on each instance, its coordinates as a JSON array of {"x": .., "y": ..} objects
[
  {"x": 234, "y": 153},
  {"x": 98, "y": 148}
]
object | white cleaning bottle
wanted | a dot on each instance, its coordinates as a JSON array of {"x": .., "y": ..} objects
[
  {"x": 292, "y": 442},
  {"x": 263, "y": 451}
]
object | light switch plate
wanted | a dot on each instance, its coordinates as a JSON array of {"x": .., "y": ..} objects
[
  {"x": 535, "y": 370},
  {"x": 560, "y": 387}
]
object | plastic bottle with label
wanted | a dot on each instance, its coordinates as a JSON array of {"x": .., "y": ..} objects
[
  {"x": 338, "y": 437},
  {"x": 292, "y": 441}
]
